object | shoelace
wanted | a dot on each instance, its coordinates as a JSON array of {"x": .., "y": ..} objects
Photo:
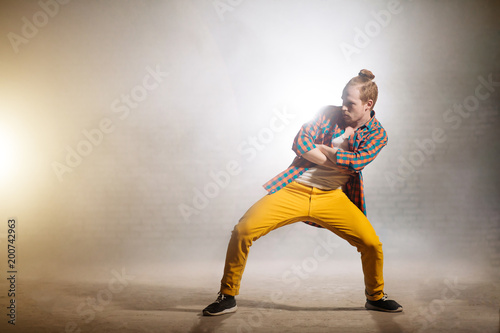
[
  {"x": 220, "y": 298},
  {"x": 385, "y": 297}
]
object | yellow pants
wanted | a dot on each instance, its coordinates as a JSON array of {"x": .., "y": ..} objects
[{"x": 296, "y": 202}]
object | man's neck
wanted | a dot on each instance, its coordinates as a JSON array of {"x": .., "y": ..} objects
[{"x": 361, "y": 122}]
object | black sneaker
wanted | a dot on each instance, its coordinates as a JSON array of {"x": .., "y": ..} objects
[
  {"x": 384, "y": 304},
  {"x": 222, "y": 305}
]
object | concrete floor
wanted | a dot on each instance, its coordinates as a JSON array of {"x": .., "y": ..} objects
[{"x": 324, "y": 298}]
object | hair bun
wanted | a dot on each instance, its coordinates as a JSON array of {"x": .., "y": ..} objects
[{"x": 366, "y": 73}]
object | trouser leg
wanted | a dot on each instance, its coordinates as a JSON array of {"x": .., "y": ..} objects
[
  {"x": 286, "y": 206},
  {"x": 336, "y": 212}
]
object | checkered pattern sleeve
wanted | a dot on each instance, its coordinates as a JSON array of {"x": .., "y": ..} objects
[
  {"x": 304, "y": 140},
  {"x": 368, "y": 148}
]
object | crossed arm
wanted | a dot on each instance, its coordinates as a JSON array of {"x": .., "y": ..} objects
[
  {"x": 304, "y": 145},
  {"x": 324, "y": 155}
]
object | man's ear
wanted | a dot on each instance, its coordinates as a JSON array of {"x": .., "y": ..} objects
[{"x": 369, "y": 104}]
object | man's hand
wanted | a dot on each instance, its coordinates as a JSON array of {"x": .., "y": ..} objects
[{"x": 348, "y": 132}]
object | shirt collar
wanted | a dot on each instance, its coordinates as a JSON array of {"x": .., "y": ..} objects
[{"x": 370, "y": 122}]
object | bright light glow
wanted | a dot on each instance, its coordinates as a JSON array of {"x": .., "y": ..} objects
[{"x": 313, "y": 94}]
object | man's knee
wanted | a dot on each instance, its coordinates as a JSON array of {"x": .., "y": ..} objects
[
  {"x": 372, "y": 245},
  {"x": 241, "y": 230}
]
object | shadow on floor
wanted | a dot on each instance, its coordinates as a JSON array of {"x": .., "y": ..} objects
[{"x": 275, "y": 306}]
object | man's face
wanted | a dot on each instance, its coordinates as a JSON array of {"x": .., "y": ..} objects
[{"x": 354, "y": 111}]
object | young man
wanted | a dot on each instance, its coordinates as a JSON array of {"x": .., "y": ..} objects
[{"x": 323, "y": 187}]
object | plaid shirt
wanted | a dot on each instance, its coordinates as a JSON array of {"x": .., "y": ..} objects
[{"x": 364, "y": 146}]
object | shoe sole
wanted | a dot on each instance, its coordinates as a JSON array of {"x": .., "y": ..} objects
[
  {"x": 230, "y": 310},
  {"x": 368, "y": 306}
]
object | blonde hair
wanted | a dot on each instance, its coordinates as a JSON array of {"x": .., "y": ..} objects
[{"x": 367, "y": 88}]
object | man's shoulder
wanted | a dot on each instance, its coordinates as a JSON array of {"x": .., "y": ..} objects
[
  {"x": 330, "y": 112},
  {"x": 375, "y": 124},
  {"x": 377, "y": 129}
]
